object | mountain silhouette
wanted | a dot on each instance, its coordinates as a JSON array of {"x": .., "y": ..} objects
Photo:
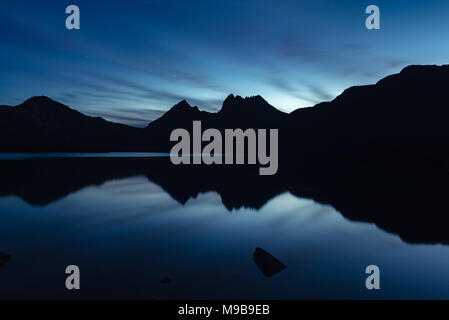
[
  {"x": 400, "y": 113},
  {"x": 405, "y": 111},
  {"x": 42, "y": 125},
  {"x": 254, "y": 111},
  {"x": 236, "y": 112}
]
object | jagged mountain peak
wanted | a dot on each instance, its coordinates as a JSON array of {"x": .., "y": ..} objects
[
  {"x": 239, "y": 99},
  {"x": 182, "y": 106},
  {"x": 237, "y": 104}
]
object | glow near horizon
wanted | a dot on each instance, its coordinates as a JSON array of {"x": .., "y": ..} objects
[{"x": 131, "y": 62}]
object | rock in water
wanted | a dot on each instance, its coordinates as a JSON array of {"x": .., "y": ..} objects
[
  {"x": 4, "y": 258},
  {"x": 166, "y": 280},
  {"x": 268, "y": 264}
]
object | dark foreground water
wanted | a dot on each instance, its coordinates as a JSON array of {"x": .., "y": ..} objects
[{"x": 127, "y": 235}]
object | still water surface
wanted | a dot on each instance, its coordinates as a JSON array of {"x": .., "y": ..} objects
[{"x": 127, "y": 235}]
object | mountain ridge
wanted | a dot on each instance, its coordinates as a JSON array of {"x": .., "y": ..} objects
[{"x": 404, "y": 105}]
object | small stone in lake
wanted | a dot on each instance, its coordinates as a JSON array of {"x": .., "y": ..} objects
[
  {"x": 268, "y": 264},
  {"x": 4, "y": 258},
  {"x": 166, "y": 280}
]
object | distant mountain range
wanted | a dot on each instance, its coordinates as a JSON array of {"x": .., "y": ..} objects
[{"x": 402, "y": 112}]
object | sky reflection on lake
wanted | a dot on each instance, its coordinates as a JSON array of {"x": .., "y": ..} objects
[{"x": 127, "y": 235}]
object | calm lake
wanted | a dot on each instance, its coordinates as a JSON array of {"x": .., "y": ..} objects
[{"x": 128, "y": 234}]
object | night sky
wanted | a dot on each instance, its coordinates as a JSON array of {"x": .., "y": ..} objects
[{"x": 132, "y": 60}]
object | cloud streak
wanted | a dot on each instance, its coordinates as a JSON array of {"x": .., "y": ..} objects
[{"x": 149, "y": 55}]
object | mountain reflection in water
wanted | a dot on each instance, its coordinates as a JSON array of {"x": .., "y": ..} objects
[{"x": 130, "y": 222}]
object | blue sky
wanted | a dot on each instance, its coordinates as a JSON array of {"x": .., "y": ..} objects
[{"x": 132, "y": 60}]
